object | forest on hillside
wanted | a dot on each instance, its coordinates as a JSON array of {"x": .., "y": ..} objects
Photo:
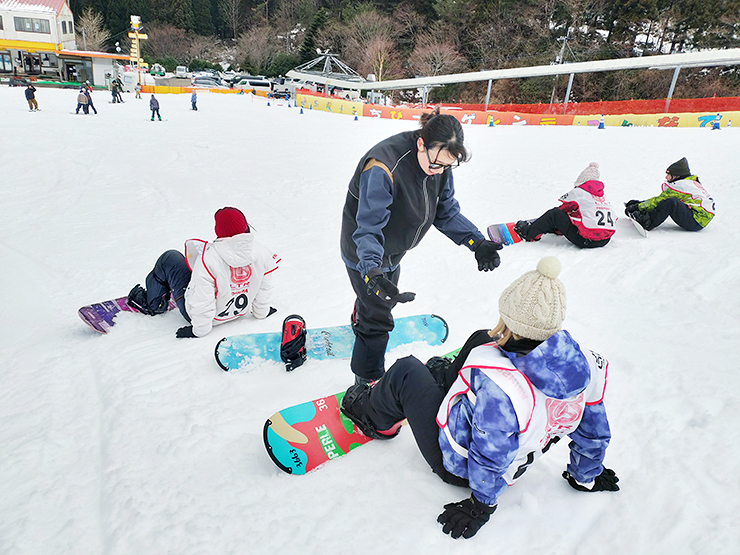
[{"x": 435, "y": 37}]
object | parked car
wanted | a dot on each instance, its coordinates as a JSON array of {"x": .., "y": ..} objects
[
  {"x": 253, "y": 83},
  {"x": 181, "y": 71},
  {"x": 208, "y": 83},
  {"x": 209, "y": 73}
]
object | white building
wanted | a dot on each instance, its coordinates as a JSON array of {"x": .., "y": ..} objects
[{"x": 37, "y": 38}]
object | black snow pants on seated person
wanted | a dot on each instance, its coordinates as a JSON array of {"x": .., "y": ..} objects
[
  {"x": 171, "y": 274},
  {"x": 408, "y": 390}
]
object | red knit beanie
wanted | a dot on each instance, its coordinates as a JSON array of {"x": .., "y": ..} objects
[{"x": 230, "y": 222}]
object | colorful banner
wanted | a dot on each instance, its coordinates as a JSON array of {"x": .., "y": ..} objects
[{"x": 491, "y": 118}]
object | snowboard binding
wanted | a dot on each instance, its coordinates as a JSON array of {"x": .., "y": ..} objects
[{"x": 293, "y": 346}]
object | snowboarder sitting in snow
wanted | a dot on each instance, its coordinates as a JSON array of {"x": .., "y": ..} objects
[
  {"x": 684, "y": 199},
  {"x": 584, "y": 217},
  {"x": 215, "y": 281},
  {"x": 510, "y": 394}
]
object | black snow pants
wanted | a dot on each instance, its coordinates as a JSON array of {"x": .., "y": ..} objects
[
  {"x": 371, "y": 322},
  {"x": 557, "y": 221},
  {"x": 679, "y": 213},
  {"x": 409, "y": 391},
  {"x": 171, "y": 274}
]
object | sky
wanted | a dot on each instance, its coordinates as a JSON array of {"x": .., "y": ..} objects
[{"x": 137, "y": 442}]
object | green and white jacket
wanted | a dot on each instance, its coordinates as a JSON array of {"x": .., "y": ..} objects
[{"x": 689, "y": 191}]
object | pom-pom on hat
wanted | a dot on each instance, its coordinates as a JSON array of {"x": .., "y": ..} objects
[
  {"x": 229, "y": 222},
  {"x": 590, "y": 173},
  {"x": 534, "y": 305},
  {"x": 680, "y": 168}
]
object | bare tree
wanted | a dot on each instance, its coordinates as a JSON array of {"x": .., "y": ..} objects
[
  {"x": 232, "y": 14},
  {"x": 434, "y": 57},
  {"x": 365, "y": 29},
  {"x": 167, "y": 41},
  {"x": 380, "y": 59},
  {"x": 90, "y": 30},
  {"x": 258, "y": 47}
]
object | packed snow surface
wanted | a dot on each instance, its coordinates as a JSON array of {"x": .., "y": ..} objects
[{"x": 137, "y": 442}]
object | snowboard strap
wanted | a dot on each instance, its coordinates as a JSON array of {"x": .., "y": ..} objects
[{"x": 293, "y": 346}]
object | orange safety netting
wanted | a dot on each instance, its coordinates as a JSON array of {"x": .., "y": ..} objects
[{"x": 722, "y": 104}]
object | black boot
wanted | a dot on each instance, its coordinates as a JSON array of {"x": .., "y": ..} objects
[
  {"x": 137, "y": 299},
  {"x": 522, "y": 230},
  {"x": 642, "y": 218},
  {"x": 354, "y": 405}
]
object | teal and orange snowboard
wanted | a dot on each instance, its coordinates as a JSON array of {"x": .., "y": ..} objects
[{"x": 303, "y": 437}]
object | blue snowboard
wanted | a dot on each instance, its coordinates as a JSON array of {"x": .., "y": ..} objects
[{"x": 326, "y": 343}]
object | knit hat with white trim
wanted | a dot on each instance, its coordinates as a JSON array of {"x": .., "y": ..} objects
[{"x": 534, "y": 305}]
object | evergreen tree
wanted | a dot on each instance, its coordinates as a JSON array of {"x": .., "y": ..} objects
[
  {"x": 308, "y": 48},
  {"x": 202, "y": 21}
]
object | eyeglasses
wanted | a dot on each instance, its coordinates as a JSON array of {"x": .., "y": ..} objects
[{"x": 436, "y": 165}]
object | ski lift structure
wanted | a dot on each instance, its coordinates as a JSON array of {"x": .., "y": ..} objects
[{"x": 329, "y": 70}]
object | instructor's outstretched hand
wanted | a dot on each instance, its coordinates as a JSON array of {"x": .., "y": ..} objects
[
  {"x": 486, "y": 253},
  {"x": 378, "y": 284}
]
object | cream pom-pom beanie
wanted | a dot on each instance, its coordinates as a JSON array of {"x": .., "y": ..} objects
[
  {"x": 591, "y": 173},
  {"x": 534, "y": 305}
]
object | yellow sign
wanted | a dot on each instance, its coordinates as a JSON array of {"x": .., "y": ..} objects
[{"x": 141, "y": 36}]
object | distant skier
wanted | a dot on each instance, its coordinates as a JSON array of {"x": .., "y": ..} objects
[
  {"x": 400, "y": 189},
  {"x": 684, "y": 199},
  {"x": 584, "y": 218},
  {"x": 229, "y": 278},
  {"x": 82, "y": 102},
  {"x": 87, "y": 90},
  {"x": 137, "y": 88},
  {"x": 511, "y": 393},
  {"x": 194, "y": 100},
  {"x": 31, "y": 98},
  {"x": 154, "y": 107}
]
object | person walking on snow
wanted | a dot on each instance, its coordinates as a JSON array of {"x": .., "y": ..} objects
[
  {"x": 31, "y": 98},
  {"x": 215, "y": 282},
  {"x": 401, "y": 188},
  {"x": 194, "y": 99},
  {"x": 137, "y": 88},
  {"x": 584, "y": 217},
  {"x": 510, "y": 394},
  {"x": 82, "y": 100},
  {"x": 154, "y": 107},
  {"x": 87, "y": 90},
  {"x": 684, "y": 199}
]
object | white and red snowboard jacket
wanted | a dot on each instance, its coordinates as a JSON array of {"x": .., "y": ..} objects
[
  {"x": 589, "y": 210},
  {"x": 231, "y": 276}
]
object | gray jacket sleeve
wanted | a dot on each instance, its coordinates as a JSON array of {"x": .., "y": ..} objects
[{"x": 373, "y": 213}]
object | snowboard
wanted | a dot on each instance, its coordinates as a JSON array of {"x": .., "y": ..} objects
[
  {"x": 100, "y": 316},
  {"x": 326, "y": 343},
  {"x": 503, "y": 234},
  {"x": 305, "y": 436},
  {"x": 641, "y": 230}
]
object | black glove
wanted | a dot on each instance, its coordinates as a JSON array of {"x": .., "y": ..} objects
[
  {"x": 438, "y": 367},
  {"x": 465, "y": 518},
  {"x": 378, "y": 284},
  {"x": 606, "y": 481},
  {"x": 631, "y": 206},
  {"x": 486, "y": 253},
  {"x": 183, "y": 332}
]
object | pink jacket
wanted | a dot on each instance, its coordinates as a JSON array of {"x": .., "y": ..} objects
[{"x": 589, "y": 210}]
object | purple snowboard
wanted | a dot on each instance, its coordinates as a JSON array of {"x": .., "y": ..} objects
[{"x": 99, "y": 316}]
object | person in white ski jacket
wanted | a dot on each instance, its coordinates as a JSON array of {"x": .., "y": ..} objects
[{"x": 215, "y": 282}]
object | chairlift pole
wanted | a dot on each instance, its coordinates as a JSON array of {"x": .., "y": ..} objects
[
  {"x": 567, "y": 93},
  {"x": 670, "y": 91},
  {"x": 488, "y": 95}
]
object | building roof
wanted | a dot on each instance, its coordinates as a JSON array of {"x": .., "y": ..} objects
[
  {"x": 91, "y": 54},
  {"x": 42, "y": 6}
]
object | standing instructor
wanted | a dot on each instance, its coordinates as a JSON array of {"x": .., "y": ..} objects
[{"x": 401, "y": 187}]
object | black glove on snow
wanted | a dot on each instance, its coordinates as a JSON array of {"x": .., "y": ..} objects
[
  {"x": 183, "y": 332},
  {"x": 465, "y": 518},
  {"x": 486, "y": 253},
  {"x": 378, "y": 284},
  {"x": 606, "y": 481}
]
